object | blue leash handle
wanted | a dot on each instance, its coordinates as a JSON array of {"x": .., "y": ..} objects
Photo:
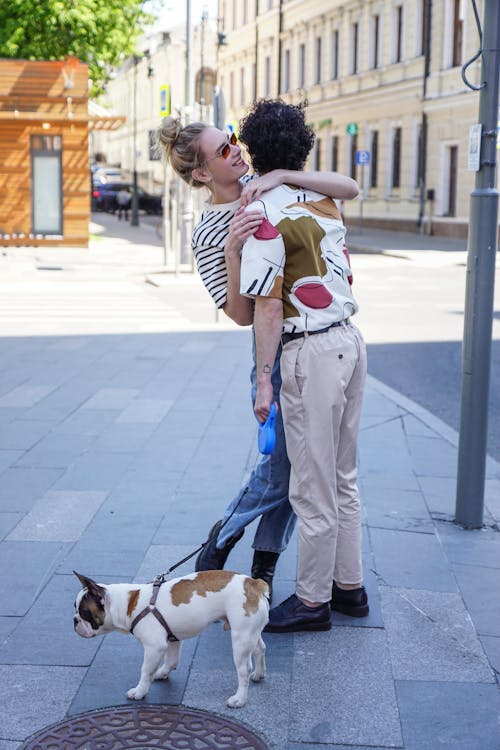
[{"x": 267, "y": 432}]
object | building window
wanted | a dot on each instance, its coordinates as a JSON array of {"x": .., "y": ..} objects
[
  {"x": 398, "y": 33},
  {"x": 451, "y": 208},
  {"x": 286, "y": 71},
  {"x": 302, "y": 66},
  {"x": 334, "y": 55},
  {"x": 419, "y": 161},
  {"x": 457, "y": 37},
  {"x": 375, "y": 41},
  {"x": 242, "y": 86},
  {"x": 245, "y": 12},
  {"x": 46, "y": 184},
  {"x": 317, "y": 154},
  {"x": 425, "y": 19},
  {"x": 234, "y": 14},
  {"x": 335, "y": 153},
  {"x": 396, "y": 158},
  {"x": 374, "y": 159},
  {"x": 317, "y": 60},
  {"x": 267, "y": 76},
  {"x": 354, "y": 148},
  {"x": 354, "y": 47},
  {"x": 254, "y": 79},
  {"x": 154, "y": 151},
  {"x": 231, "y": 89}
]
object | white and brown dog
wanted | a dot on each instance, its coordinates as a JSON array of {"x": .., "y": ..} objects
[{"x": 163, "y": 614}]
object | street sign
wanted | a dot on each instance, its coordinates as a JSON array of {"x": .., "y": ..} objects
[
  {"x": 474, "y": 153},
  {"x": 362, "y": 157},
  {"x": 352, "y": 128},
  {"x": 165, "y": 100}
]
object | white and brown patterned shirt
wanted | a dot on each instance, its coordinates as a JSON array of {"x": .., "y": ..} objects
[{"x": 299, "y": 255}]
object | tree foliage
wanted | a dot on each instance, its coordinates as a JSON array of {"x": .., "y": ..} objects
[{"x": 98, "y": 32}]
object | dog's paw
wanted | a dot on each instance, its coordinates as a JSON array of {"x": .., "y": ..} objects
[
  {"x": 235, "y": 701},
  {"x": 161, "y": 673},
  {"x": 135, "y": 694},
  {"x": 257, "y": 676}
]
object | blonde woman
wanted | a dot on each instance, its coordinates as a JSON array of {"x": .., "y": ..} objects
[{"x": 204, "y": 156}]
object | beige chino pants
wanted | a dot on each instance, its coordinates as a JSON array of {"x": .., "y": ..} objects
[{"x": 323, "y": 380}]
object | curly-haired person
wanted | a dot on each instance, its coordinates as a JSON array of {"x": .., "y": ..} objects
[
  {"x": 204, "y": 156},
  {"x": 297, "y": 270}
]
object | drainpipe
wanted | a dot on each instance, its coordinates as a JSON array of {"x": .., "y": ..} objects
[
  {"x": 280, "y": 29},
  {"x": 423, "y": 131},
  {"x": 256, "y": 75}
]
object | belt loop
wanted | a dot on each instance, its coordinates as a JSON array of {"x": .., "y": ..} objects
[{"x": 306, "y": 334}]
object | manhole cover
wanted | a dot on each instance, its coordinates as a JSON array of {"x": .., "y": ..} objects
[{"x": 145, "y": 728}]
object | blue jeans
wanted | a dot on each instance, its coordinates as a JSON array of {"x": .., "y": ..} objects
[{"x": 266, "y": 492}]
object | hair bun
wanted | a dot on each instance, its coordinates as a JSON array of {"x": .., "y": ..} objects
[{"x": 168, "y": 133}]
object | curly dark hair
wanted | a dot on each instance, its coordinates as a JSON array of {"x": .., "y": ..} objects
[{"x": 276, "y": 135}]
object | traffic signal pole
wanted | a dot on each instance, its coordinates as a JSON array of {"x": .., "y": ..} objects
[{"x": 478, "y": 320}]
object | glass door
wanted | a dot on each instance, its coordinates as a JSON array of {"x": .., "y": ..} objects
[{"x": 46, "y": 184}]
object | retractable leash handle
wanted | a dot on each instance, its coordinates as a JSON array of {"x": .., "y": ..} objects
[{"x": 267, "y": 432}]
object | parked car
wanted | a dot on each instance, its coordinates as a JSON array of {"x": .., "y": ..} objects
[
  {"x": 104, "y": 198},
  {"x": 103, "y": 175}
]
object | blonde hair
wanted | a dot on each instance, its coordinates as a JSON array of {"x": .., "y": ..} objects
[{"x": 180, "y": 146}]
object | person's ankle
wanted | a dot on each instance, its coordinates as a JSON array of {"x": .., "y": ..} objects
[{"x": 348, "y": 586}]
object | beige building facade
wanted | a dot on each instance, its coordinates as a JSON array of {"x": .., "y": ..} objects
[
  {"x": 151, "y": 85},
  {"x": 380, "y": 76}
]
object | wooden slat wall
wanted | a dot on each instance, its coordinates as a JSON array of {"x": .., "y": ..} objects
[{"x": 37, "y": 89}]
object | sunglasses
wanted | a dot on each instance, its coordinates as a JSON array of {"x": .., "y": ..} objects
[{"x": 225, "y": 150}]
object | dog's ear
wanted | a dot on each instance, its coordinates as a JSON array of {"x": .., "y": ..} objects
[{"x": 92, "y": 587}]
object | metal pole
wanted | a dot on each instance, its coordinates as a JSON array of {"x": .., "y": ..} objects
[
  {"x": 187, "y": 200},
  {"x": 134, "y": 219},
  {"x": 476, "y": 352}
]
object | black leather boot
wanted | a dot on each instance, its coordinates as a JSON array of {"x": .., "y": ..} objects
[
  {"x": 211, "y": 558},
  {"x": 263, "y": 566},
  {"x": 352, "y": 602}
]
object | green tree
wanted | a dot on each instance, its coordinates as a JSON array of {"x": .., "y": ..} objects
[{"x": 98, "y": 32}]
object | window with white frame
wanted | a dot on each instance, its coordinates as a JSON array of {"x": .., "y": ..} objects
[
  {"x": 267, "y": 76},
  {"x": 423, "y": 18},
  {"x": 396, "y": 158},
  {"x": 242, "y": 86},
  {"x": 354, "y": 48},
  {"x": 317, "y": 59},
  {"x": 286, "y": 71},
  {"x": 354, "y": 148},
  {"x": 375, "y": 42},
  {"x": 334, "y": 54},
  {"x": 457, "y": 34},
  {"x": 374, "y": 159},
  {"x": 317, "y": 154},
  {"x": 302, "y": 66},
  {"x": 334, "y": 151},
  {"x": 398, "y": 33}
]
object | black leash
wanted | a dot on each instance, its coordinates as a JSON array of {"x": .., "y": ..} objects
[{"x": 161, "y": 577}]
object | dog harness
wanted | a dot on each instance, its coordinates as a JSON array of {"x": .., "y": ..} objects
[{"x": 151, "y": 608}]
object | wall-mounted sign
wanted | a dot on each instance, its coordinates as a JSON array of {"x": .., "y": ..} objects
[{"x": 165, "y": 100}]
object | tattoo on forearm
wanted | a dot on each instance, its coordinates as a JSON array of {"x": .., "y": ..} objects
[{"x": 267, "y": 368}]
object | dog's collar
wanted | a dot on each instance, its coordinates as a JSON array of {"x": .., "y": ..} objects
[{"x": 151, "y": 608}]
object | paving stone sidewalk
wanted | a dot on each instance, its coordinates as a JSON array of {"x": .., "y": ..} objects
[{"x": 125, "y": 427}]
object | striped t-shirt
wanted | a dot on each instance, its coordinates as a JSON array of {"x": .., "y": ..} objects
[{"x": 208, "y": 242}]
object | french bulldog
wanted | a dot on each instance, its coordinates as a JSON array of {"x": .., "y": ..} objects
[{"x": 164, "y": 613}]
